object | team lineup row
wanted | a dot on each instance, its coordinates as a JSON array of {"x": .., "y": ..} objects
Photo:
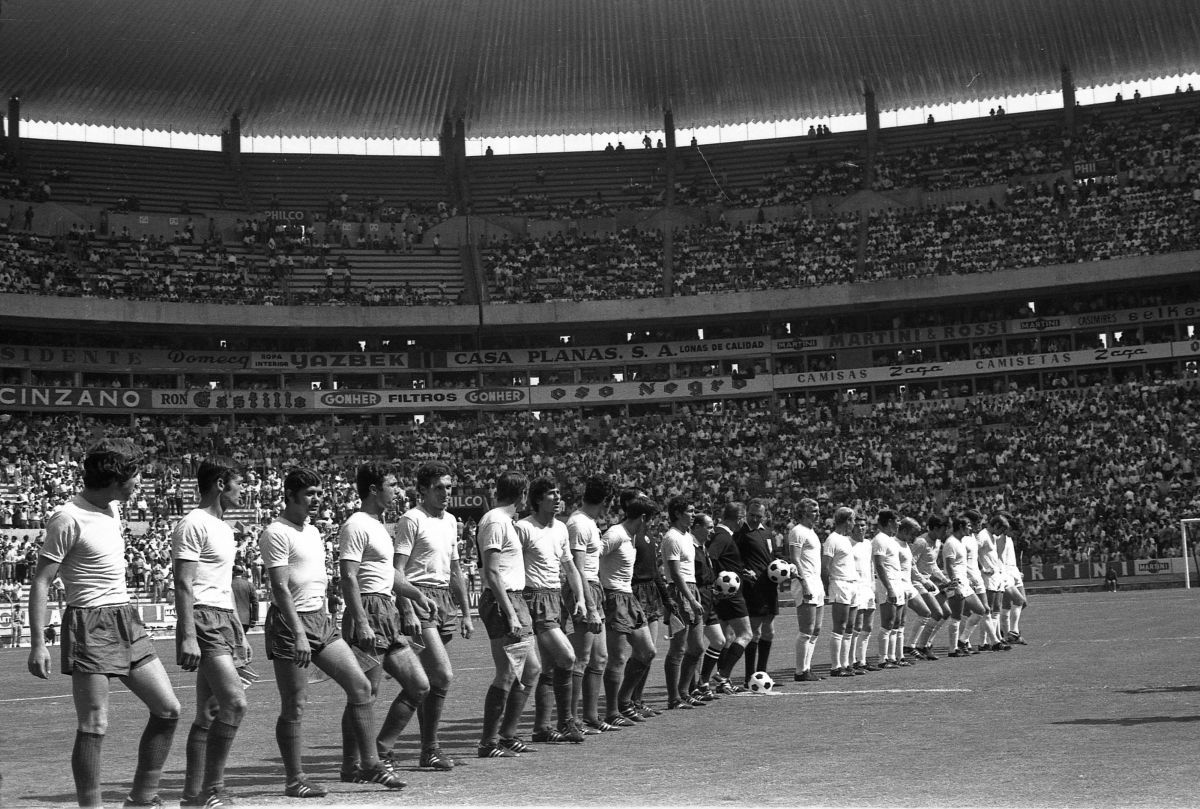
[{"x": 571, "y": 612}]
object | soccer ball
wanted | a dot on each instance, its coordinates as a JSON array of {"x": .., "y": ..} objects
[
  {"x": 779, "y": 570},
  {"x": 728, "y": 582},
  {"x": 761, "y": 682}
]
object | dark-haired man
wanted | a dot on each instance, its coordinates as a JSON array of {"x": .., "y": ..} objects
[
  {"x": 731, "y": 610},
  {"x": 209, "y": 637},
  {"x": 587, "y": 636},
  {"x": 754, "y": 543},
  {"x": 959, "y": 592},
  {"x": 300, "y": 632},
  {"x": 102, "y": 634},
  {"x": 427, "y": 553},
  {"x": 687, "y": 638}
]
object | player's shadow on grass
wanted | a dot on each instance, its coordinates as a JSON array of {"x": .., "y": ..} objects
[
  {"x": 1166, "y": 689},
  {"x": 1129, "y": 721}
]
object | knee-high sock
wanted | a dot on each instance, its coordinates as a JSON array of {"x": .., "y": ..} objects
[
  {"x": 593, "y": 688},
  {"x": 287, "y": 736},
  {"x": 493, "y": 712},
  {"x": 362, "y": 715},
  {"x": 513, "y": 708},
  {"x": 897, "y": 644},
  {"x": 350, "y": 751},
  {"x": 809, "y": 648},
  {"x": 846, "y": 649},
  {"x": 969, "y": 629},
  {"x": 885, "y": 644},
  {"x": 751, "y": 658},
  {"x": 429, "y": 716},
  {"x": 711, "y": 658},
  {"x": 835, "y": 650},
  {"x": 686, "y": 672},
  {"x": 577, "y": 678},
  {"x": 730, "y": 655},
  {"x": 764, "y": 653},
  {"x": 543, "y": 699},
  {"x": 801, "y": 647},
  {"x": 399, "y": 714},
  {"x": 640, "y": 686},
  {"x": 153, "y": 748},
  {"x": 671, "y": 668},
  {"x": 1014, "y": 618},
  {"x": 85, "y": 767},
  {"x": 563, "y": 706},
  {"x": 193, "y": 774},
  {"x": 220, "y": 740},
  {"x": 954, "y": 625},
  {"x": 634, "y": 670}
]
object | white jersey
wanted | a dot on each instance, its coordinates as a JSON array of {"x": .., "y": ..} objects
[
  {"x": 208, "y": 541},
  {"x": 301, "y": 549},
  {"x": 807, "y": 551},
  {"x": 365, "y": 539},
  {"x": 584, "y": 535},
  {"x": 498, "y": 534},
  {"x": 955, "y": 557},
  {"x": 989, "y": 560},
  {"x": 1007, "y": 553},
  {"x": 617, "y": 555},
  {"x": 431, "y": 545},
  {"x": 926, "y": 555},
  {"x": 839, "y": 549},
  {"x": 970, "y": 547},
  {"x": 887, "y": 549},
  {"x": 678, "y": 546},
  {"x": 86, "y": 542},
  {"x": 545, "y": 550},
  {"x": 906, "y": 563},
  {"x": 866, "y": 569}
]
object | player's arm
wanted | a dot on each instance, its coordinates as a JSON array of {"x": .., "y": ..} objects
[
  {"x": 458, "y": 589},
  {"x": 361, "y": 633},
  {"x": 881, "y": 575},
  {"x": 409, "y": 621},
  {"x": 675, "y": 574},
  {"x": 575, "y": 582},
  {"x": 184, "y": 572},
  {"x": 282, "y": 597},
  {"x": 491, "y": 576},
  {"x": 592, "y": 616},
  {"x": 39, "y": 658}
]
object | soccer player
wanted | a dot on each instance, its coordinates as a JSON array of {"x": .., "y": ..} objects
[
  {"x": 995, "y": 581},
  {"x": 209, "y": 638},
  {"x": 587, "y": 636},
  {"x": 102, "y": 633},
  {"x": 926, "y": 550},
  {"x": 427, "y": 553},
  {"x": 714, "y": 638},
  {"x": 630, "y": 644},
  {"x": 837, "y": 557},
  {"x": 959, "y": 591},
  {"x": 809, "y": 593},
  {"x": 914, "y": 583},
  {"x": 1014, "y": 594},
  {"x": 547, "y": 557},
  {"x": 970, "y": 542},
  {"x": 732, "y": 610},
  {"x": 372, "y": 586},
  {"x": 678, "y": 550},
  {"x": 504, "y": 613},
  {"x": 890, "y": 590},
  {"x": 754, "y": 541},
  {"x": 864, "y": 617},
  {"x": 300, "y": 631},
  {"x": 650, "y": 588}
]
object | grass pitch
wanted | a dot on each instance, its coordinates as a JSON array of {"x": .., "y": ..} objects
[{"x": 1100, "y": 709}]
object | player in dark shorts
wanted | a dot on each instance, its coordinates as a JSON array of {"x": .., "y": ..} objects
[
  {"x": 587, "y": 636},
  {"x": 714, "y": 638},
  {"x": 373, "y": 585},
  {"x": 300, "y": 631},
  {"x": 102, "y": 633},
  {"x": 649, "y": 587},
  {"x": 209, "y": 638},
  {"x": 678, "y": 548},
  {"x": 732, "y": 610},
  {"x": 762, "y": 595}
]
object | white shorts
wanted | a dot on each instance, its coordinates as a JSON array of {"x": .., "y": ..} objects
[
  {"x": 898, "y": 587},
  {"x": 808, "y": 591},
  {"x": 996, "y": 581},
  {"x": 843, "y": 592},
  {"x": 975, "y": 580},
  {"x": 864, "y": 598},
  {"x": 959, "y": 586},
  {"x": 1017, "y": 578}
]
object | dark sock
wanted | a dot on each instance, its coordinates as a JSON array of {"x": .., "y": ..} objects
[
  {"x": 641, "y": 683},
  {"x": 349, "y": 742},
  {"x": 564, "y": 708},
  {"x": 85, "y": 766},
  {"x": 613, "y": 679},
  {"x": 288, "y": 737},
  {"x": 362, "y": 715},
  {"x": 711, "y": 657},
  {"x": 764, "y": 653},
  {"x": 634, "y": 670},
  {"x": 751, "y": 658},
  {"x": 686, "y": 672},
  {"x": 193, "y": 775},
  {"x": 577, "y": 693},
  {"x": 729, "y": 658},
  {"x": 220, "y": 739},
  {"x": 493, "y": 712},
  {"x": 671, "y": 668},
  {"x": 429, "y": 714},
  {"x": 543, "y": 697},
  {"x": 152, "y": 754},
  {"x": 593, "y": 687},
  {"x": 513, "y": 708},
  {"x": 399, "y": 714}
]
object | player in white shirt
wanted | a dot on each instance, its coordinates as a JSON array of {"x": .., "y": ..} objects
[
  {"x": 915, "y": 583},
  {"x": 865, "y": 616},
  {"x": 891, "y": 591},
  {"x": 804, "y": 549},
  {"x": 427, "y": 552},
  {"x": 103, "y": 634},
  {"x": 959, "y": 592},
  {"x": 837, "y": 558},
  {"x": 1014, "y": 601},
  {"x": 545, "y": 547},
  {"x": 678, "y": 550},
  {"x": 970, "y": 545},
  {"x": 587, "y": 636},
  {"x": 995, "y": 580},
  {"x": 300, "y": 631},
  {"x": 372, "y": 587},
  {"x": 209, "y": 639},
  {"x": 927, "y": 572}
]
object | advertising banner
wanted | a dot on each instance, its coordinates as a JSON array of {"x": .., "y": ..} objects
[
  {"x": 671, "y": 390},
  {"x": 135, "y": 360},
  {"x": 559, "y": 356}
]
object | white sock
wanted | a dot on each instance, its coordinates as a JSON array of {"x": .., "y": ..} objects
[
  {"x": 809, "y": 647},
  {"x": 928, "y": 632},
  {"x": 1004, "y": 622},
  {"x": 1014, "y": 618},
  {"x": 972, "y": 624},
  {"x": 847, "y": 645},
  {"x": 885, "y": 644},
  {"x": 864, "y": 646},
  {"x": 835, "y": 650},
  {"x": 802, "y": 643},
  {"x": 897, "y": 644},
  {"x": 954, "y": 625}
]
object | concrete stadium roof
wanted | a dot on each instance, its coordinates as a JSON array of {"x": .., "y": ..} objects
[{"x": 395, "y": 68}]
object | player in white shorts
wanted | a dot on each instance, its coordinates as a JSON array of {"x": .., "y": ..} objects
[
  {"x": 1014, "y": 600},
  {"x": 804, "y": 548},
  {"x": 865, "y": 602},
  {"x": 837, "y": 559},
  {"x": 970, "y": 545},
  {"x": 914, "y": 582},
  {"x": 891, "y": 589},
  {"x": 959, "y": 591},
  {"x": 995, "y": 581},
  {"x": 927, "y": 550}
]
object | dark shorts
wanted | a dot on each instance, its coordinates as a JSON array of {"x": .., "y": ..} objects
[
  {"x": 650, "y": 598},
  {"x": 384, "y": 619},
  {"x": 729, "y": 608},
  {"x": 493, "y": 617},
  {"x": 568, "y": 606},
  {"x": 545, "y": 609},
  {"x": 623, "y": 612},
  {"x": 681, "y": 606},
  {"x": 445, "y": 618},
  {"x": 762, "y": 596},
  {"x": 281, "y": 640},
  {"x": 709, "y": 602},
  {"x": 219, "y": 632},
  {"x": 105, "y": 640}
]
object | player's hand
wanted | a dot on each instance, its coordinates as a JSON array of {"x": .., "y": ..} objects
[
  {"x": 247, "y": 652},
  {"x": 365, "y": 639},
  {"x": 188, "y": 657},
  {"x": 593, "y": 622},
  {"x": 302, "y": 654},
  {"x": 514, "y": 627},
  {"x": 467, "y": 627},
  {"x": 39, "y": 662},
  {"x": 580, "y": 612},
  {"x": 750, "y": 575},
  {"x": 894, "y": 599},
  {"x": 410, "y": 624},
  {"x": 426, "y": 606}
]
